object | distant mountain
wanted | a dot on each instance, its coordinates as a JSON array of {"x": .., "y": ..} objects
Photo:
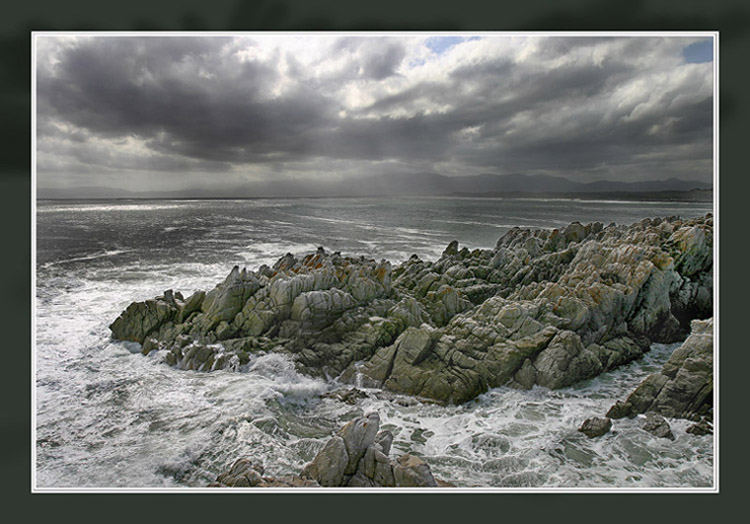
[
  {"x": 417, "y": 184},
  {"x": 431, "y": 184}
]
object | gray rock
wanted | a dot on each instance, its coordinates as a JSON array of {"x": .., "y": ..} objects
[
  {"x": 384, "y": 439},
  {"x": 595, "y": 427},
  {"x": 412, "y": 471},
  {"x": 141, "y": 319},
  {"x": 684, "y": 386},
  {"x": 657, "y": 426},
  {"x": 358, "y": 435},
  {"x": 357, "y": 456},
  {"x": 346, "y": 395},
  {"x": 700, "y": 428},
  {"x": 244, "y": 473},
  {"x": 544, "y": 308},
  {"x": 328, "y": 466}
]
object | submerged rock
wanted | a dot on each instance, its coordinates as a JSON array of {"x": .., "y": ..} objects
[{"x": 547, "y": 308}]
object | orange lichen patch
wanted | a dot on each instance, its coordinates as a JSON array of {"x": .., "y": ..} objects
[
  {"x": 381, "y": 272},
  {"x": 661, "y": 260},
  {"x": 598, "y": 292}
]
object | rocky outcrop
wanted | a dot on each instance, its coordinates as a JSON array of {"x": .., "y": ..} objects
[
  {"x": 356, "y": 456},
  {"x": 544, "y": 307},
  {"x": 684, "y": 386}
]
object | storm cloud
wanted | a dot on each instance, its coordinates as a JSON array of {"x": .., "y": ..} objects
[{"x": 152, "y": 113}]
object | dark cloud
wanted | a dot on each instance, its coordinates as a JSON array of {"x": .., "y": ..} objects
[{"x": 565, "y": 106}]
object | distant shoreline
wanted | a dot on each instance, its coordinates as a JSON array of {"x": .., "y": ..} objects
[{"x": 695, "y": 195}]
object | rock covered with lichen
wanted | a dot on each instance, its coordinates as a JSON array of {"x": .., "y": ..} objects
[{"x": 543, "y": 307}]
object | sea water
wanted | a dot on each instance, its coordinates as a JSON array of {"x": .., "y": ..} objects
[{"x": 108, "y": 417}]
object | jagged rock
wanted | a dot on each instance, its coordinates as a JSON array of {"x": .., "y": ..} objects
[
  {"x": 358, "y": 435},
  {"x": 547, "y": 308},
  {"x": 412, "y": 471},
  {"x": 140, "y": 319},
  {"x": 683, "y": 387},
  {"x": 328, "y": 466},
  {"x": 700, "y": 428},
  {"x": 243, "y": 473},
  {"x": 595, "y": 427},
  {"x": 657, "y": 425},
  {"x": 357, "y": 456}
]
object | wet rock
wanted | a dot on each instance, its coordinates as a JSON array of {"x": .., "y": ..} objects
[
  {"x": 347, "y": 396},
  {"x": 684, "y": 386},
  {"x": 657, "y": 426},
  {"x": 595, "y": 427},
  {"x": 149, "y": 345},
  {"x": 328, "y": 466},
  {"x": 358, "y": 435},
  {"x": 700, "y": 428},
  {"x": 243, "y": 473},
  {"x": 357, "y": 456},
  {"x": 246, "y": 473},
  {"x": 140, "y": 319},
  {"x": 287, "y": 481},
  {"x": 411, "y": 471}
]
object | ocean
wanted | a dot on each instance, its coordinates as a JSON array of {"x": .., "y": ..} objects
[{"x": 108, "y": 417}]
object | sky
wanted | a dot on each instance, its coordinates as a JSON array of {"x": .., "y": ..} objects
[{"x": 260, "y": 113}]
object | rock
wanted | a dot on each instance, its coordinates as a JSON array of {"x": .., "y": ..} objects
[
  {"x": 595, "y": 427},
  {"x": 411, "y": 471},
  {"x": 357, "y": 456},
  {"x": 358, "y": 435},
  {"x": 347, "y": 396},
  {"x": 384, "y": 439},
  {"x": 190, "y": 306},
  {"x": 684, "y": 386},
  {"x": 287, "y": 481},
  {"x": 657, "y": 425},
  {"x": 149, "y": 345},
  {"x": 452, "y": 249},
  {"x": 244, "y": 473},
  {"x": 141, "y": 319},
  {"x": 543, "y": 308},
  {"x": 329, "y": 465},
  {"x": 700, "y": 428}
]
